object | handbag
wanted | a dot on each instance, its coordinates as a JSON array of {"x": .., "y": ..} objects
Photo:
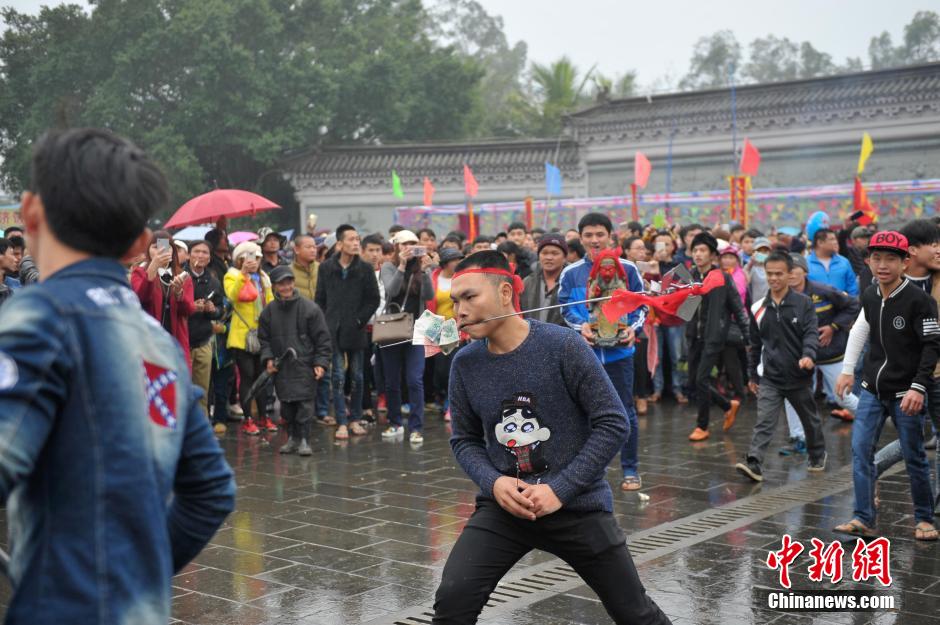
[
  {"x": 394, "y": 327},
  {"x": 248, "y": 292},
  {"x": 252, "y": 342}
]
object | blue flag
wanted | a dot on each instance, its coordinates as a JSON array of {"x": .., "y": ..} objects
[{"x": 552, "y": 179}]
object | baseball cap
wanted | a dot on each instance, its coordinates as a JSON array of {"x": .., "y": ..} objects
[
  {"x": 890, "y": 241},
  {"x": 800, "y": 261},
  {"x": 861, "y": 232},
  {"x": 760, "y": 242},
  {"x": 405, "y": 236},
  {"x": 281, "y": 273}
]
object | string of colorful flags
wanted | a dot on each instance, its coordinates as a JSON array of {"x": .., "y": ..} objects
[{"x": 739, "y": 187}]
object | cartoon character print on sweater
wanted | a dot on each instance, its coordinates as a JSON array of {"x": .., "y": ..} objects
[{"x": 520, "y": 432}]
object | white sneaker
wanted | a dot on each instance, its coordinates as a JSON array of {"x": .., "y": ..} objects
[
  {"x": 416, "y": 438},
  {"x": 235, "y": 409},
  {"x": 393, "y": 430}
]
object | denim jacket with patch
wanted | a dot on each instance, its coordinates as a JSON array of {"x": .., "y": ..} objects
[{"x": 110, "y": 472}]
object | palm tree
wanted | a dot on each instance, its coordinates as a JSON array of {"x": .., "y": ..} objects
[{"x": 558, "y": 91}]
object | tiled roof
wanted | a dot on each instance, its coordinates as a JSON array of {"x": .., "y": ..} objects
[
  {"x": 902, "y": 92},
  {"x": 442, "y": 161}
]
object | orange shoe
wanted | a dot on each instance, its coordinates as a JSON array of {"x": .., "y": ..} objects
[
  {"x": 842, "y": 413},
  {"x": 698, "y": 434},
  {"x": 730, "y": 414},
  {"x": 641, "y": 406}
]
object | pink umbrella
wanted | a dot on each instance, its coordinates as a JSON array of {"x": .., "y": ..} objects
[
  {"x": 208, "y": 207},
  {"x": 240, "y": 237}
]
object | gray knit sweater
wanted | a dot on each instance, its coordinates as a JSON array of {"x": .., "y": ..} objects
[{"x": 546, "y": 411}]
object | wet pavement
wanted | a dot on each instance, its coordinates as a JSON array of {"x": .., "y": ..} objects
[{"x": 360, "y": 531}]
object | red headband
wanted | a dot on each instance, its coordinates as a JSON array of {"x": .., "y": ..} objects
[{"x": 517, "y": 286}]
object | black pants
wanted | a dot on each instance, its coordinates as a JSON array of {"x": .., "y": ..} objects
[
  {"x": 590, "y": 542},
  {"x": 299, "y": 417},
  {"x": 731, "y": 358},
  {"x": 700, "y": 372},
  {"x": 642, "y": 385},
  {"x": 249, "y": 368}
]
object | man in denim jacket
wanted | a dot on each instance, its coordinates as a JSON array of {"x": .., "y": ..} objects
[{"x": 111, "y": 475}]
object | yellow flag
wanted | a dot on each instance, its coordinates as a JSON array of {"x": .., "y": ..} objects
[{"x": 867, "y": 149}]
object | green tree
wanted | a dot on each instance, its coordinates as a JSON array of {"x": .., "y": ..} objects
[
  {"x": 555, "y": 90},
  {"x": 477, "y": 35},
  {"x": 715, "y": 60},
  {"x": 218, "y": 90},
  {"x": 921, "y": 43},
  {"x": 773, "y": 59}
]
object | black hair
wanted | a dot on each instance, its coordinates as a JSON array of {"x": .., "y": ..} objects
[
  {"x": 342, "y": 230},
  {"x": 12, "y": 229},
  {"x": 577, "y": 247},
  {"x": 395, "y": 230},
  {"x": 517, "y": 225},
  {"x": 921, "y": 232},
  {"x": 821, "y": 235},
  {"x": 736, "y": 228},
  {"x": 629, "y": 242},
  {"x": 214, "y": 237},
  {"x": 195, "y": 244},
  {"x": 428, "y": 232},
  {"x": 453, "y": 239},
  {"x": 635, "y": 225},
  {"x": 595, "y": 219},
  {"x": 98, "y": 189},
  {"x": 779, "y": 256},
  {"x": 458, "y": 234},
  {"x": 303, "y": 235},
  {"x": 482, "y": 239},
  {"x": 501, "y": 235},
  {"x": 4, "y": 245},
  {"x": 17, "y": 242},
  {"x": 372, "y": 239},
  {"x": 684, "y": 230},
  {"x": 754, "y": 233},
  {"x": 538, "y": 231},
  {"x": 508, "y": 247},
  {"x": 488, "y": 259},
  {"x": 387, "y": 248}
]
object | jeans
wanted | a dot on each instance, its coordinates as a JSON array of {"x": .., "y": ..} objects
[
  {"x": 590, "y": 542},
  {"x": 409, "y": 358},
  {"x": 700, "y": 366},
  {"x": 770, "y": 399},
  {"x": 352, "y": 359},
  {"x": 221, "y": 388},
  {"x": 866, "y": 430},
  {"x": 620, "y": 373},
  {"x": 830, "y": 373},
  {"x": 891, "y": 454},
  {"x": 669, "y": 337}
]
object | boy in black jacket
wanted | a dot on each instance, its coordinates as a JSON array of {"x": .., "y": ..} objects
[
  {"x": 784, "y": 342},
  {"x": 901, "y": 321},
  {"x": 708, "y": 332},
  {"x": 292, "y": 321}
]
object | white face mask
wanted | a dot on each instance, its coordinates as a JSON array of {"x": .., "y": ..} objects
[{"x": 760, "y": 257}]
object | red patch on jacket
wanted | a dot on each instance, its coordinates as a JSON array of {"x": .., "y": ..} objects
[{"x": 161, "y": 395}]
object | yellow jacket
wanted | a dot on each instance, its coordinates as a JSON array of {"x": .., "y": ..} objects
[
  {"x": 250, "y": 311},
  {"x": 306, "y": 281}
]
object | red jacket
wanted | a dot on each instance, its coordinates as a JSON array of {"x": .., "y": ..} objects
[{"x": 150, "y": 294}]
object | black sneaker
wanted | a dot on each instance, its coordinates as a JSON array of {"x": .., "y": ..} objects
[
  {"x": 751, "y": 468},
  {"x": 818, "y": 466}
]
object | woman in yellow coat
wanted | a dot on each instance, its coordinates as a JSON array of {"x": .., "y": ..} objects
[{"x": 249, "y": 290}]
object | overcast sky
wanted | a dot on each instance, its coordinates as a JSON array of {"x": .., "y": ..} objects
[{"x": 655, "y": 37}]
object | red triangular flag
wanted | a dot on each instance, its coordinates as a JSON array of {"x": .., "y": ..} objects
[
  {"x": 470, "y": 186},
  {"x": 750, "y": 159},
  {"x": 641, "y": 170},
  {"x": 428, "y": 192},
  {"x": 862, "y": 204}
]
